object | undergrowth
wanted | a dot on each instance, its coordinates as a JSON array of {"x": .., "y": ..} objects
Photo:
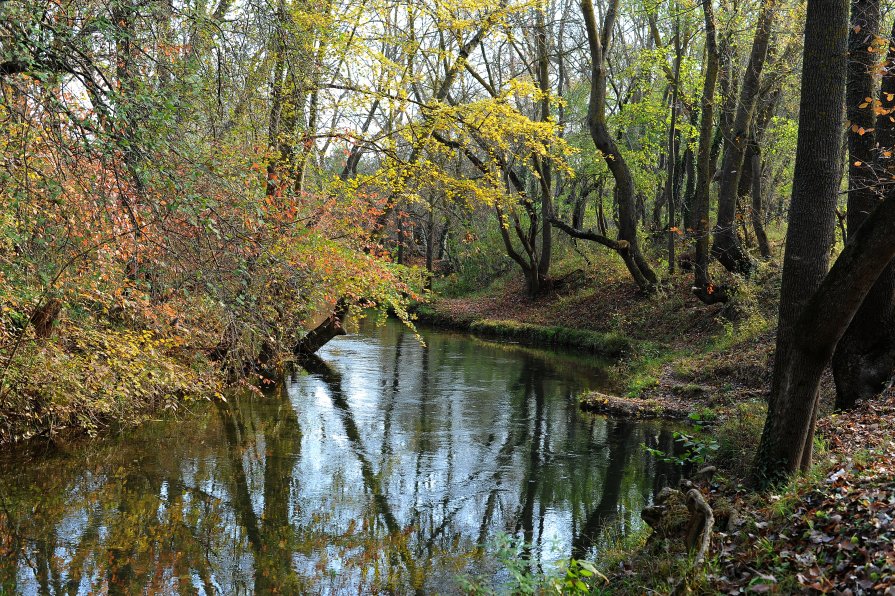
[{"x": 91, "y": 376}]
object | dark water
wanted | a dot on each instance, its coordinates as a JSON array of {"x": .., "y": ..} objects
[{"x": 392, "y": 468}]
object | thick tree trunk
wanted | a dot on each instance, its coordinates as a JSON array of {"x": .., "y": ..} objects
[
  {"x": 786, "y": 442},
  {"x": 807, "y": 336},
  {"x": 702, "y": 284},
  {"x": 726, "y": 247},
  {"x": 865, "y": 357},
  {"x": 728, "y": 83}
]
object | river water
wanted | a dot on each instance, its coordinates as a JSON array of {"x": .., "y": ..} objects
[{"x": 391, "y": 467}]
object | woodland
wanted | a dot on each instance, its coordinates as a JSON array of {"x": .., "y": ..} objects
[{"x": 197, "y": 196}]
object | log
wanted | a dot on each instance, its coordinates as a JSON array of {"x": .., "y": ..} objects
[{"x": 625, "y": 407}]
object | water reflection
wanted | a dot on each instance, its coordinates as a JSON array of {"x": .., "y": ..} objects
[{"x": 384, "y": 469}]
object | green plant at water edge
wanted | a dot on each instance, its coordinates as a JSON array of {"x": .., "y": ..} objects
[
  {"x": 695, "y": 450},
  {"x": 738, "y": 436},
  {"x": 576, "y": 578},
  {"x": 526, "y": 577}
]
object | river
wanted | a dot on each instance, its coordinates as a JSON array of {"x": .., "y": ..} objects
[{"x": 391, "y": 467}]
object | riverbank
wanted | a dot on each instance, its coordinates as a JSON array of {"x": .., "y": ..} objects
[
  {"x": 610, "y": 345},
  {"x": 830, "y": 530},
  {"x": 678, "y": 352}
]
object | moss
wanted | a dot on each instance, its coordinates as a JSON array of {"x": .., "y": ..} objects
[
  {"x": 436, "y": 318},
  {"x": 605, "y": 344}
]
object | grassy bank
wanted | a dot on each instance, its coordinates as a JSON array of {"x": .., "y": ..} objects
[
  {"x": 672, "y": 347},
  {"x": 828, "y": 530},
  {"x": 593, "y": 342}
]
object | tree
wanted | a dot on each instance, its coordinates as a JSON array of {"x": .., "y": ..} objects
[
  {"x": 726, "y": 246},
  {"x": 628, "y": 244},
  {"x": 815, "y": 307},
  {"x": 865, "y": 357},
  {"x": 703, "y": 287}
]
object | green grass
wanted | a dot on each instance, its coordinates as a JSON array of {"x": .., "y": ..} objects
[
  {"x": 604, "y": 344},
  {"x": 429, "y": 316}
]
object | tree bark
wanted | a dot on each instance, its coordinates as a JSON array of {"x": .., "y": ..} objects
[
  {"x": 276, "y": 104},
  {"x": 865, "y": 357},
  {"x": 757, "y": 210},
  {"x": 673, "y": 148},
  {"x": 542, "y": 165},
  {"x": 726, "y": 247},
  {"x": 825, "y": 318},
  {"x": 331, "y": 327},
  {"x": 814, "y": 314}
]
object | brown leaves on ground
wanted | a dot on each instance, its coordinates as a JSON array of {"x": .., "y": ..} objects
[
  {"x": 596, "y": 304},
  {"x": 870, "y": 422},
  {"x": 835, "y": 534}
]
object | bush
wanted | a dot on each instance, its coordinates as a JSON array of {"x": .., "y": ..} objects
[{"x": 96, "y": 376}]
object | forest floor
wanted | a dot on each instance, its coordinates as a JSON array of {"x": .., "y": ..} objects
[{"x": 830, "y": 530}]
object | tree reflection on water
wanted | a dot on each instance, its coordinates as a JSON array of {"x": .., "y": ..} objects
[{"x": 390, "y": 466}]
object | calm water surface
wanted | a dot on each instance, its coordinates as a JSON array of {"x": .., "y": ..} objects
[{"x": 392, "y": 467}]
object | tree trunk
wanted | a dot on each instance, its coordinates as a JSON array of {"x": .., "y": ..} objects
[
  {"x": 757, "y": 210},
  {"x": 788, "y": 436},
  {"x": 690, "y": 188},
  {"x": 806, "y": 337},
  {"x": 599, "y": 131},
  {"x": 673, "y": 148},
  {"x": 728, "y": 83},
  {"x": 726, "y": 247},
  {"x": 276, "y": 107},
  {"x": 542, "y": 165},
  {"x": 865, "y": 357},
  {"x": 332, "y": 326},
  {"x": 430, "y": 243},
  {"x": 702, "y": 284}
]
